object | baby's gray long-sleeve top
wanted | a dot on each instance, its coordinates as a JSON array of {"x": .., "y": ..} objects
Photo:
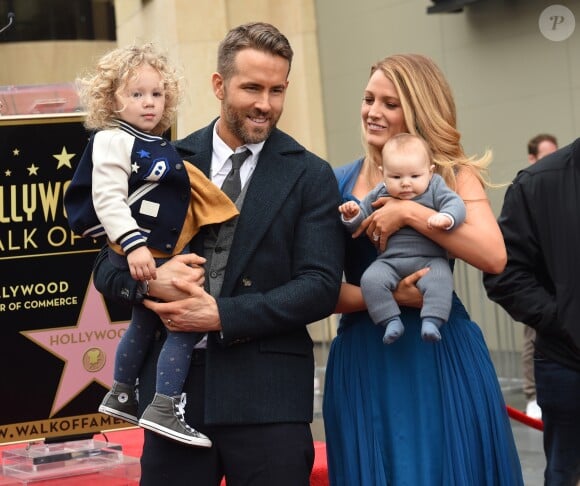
[{"x": 437, "y": 196}]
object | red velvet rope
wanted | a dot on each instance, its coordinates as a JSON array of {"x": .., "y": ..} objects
[{"x": 523, "y": 418}]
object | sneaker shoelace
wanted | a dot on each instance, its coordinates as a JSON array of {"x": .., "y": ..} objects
[{"x": 180, "y": 413}]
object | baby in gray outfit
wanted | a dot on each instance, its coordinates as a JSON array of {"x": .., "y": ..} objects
[{"x": 408, "y": 174}]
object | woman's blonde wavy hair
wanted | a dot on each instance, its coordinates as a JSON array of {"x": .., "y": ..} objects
[
  {"x": 429, "y": 111},
  {"x": 111, "y": 75}
]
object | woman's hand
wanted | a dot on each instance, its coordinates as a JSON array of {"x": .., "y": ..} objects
[
  {"x": 407, "y": 294},
  {"x": 187, "y": 268},
  {"x": 384, "y": 221}
]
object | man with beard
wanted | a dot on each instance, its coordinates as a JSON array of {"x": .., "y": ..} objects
[{"x": 268, "y": 273}]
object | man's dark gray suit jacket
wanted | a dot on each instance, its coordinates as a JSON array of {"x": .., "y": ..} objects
[{"x": 284, "y": 271}]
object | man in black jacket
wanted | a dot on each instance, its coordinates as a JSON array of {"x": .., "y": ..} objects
[
  {"x": 540, "y": 287},
  {"x": 269, "y": 273},
  {"x": 538, "y": 147}
]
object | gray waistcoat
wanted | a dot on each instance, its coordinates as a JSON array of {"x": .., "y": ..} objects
[{"x": 216, "y": 249}]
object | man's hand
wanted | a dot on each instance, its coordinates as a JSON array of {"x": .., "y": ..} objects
[
  {"x": 187, "y": 268},
  {"x": 197, "y": 312}
]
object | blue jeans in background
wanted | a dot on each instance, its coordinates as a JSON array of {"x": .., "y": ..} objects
[{"x": 558, "y": 395}]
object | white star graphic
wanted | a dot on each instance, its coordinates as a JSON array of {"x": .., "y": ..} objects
[{"x": 135, "y": 167}]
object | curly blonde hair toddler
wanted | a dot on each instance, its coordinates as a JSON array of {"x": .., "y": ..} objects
[{"x": 112, "y": 73}]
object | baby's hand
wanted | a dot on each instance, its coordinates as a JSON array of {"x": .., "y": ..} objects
[
  {"x": 142, "y": 264},
  {"x": 349, "y": 209},
  {"x": 441, "y": 221}
]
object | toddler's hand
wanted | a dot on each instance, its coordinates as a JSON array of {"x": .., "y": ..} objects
[
  {"x": 142, "y": 264},
  {"x": 440, "y": 221},
  {"x": 349, "y": 209}
]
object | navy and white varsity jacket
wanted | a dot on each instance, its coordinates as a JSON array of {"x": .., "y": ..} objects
[{"x": 133, "y": 187}]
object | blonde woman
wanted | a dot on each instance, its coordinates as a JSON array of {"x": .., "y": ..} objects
[{"x": 415, "y": 412}]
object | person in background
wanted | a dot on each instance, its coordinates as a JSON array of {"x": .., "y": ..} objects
[
  {"x": 538, "y": 147},
  {"x": 541, "y": 145},
  {"x": 268, "y": 273},
  {"x": 539, "y": 287},
  {"x": 132, "y": 185},
  {"x": 412, "y": 413},
  {"x": 407, "y": 168}
]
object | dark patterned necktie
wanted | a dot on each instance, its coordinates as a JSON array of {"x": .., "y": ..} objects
[{"x": 232, "y": 185}]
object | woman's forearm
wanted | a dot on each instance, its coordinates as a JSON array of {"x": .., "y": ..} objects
[
  {"x": 478, "y": 241},
  {"x": 350, "y": 299}
]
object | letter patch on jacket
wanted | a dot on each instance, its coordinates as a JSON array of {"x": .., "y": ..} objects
[
  {"x": 149, "y": 208},
  {"x": 159, "y": 168}
]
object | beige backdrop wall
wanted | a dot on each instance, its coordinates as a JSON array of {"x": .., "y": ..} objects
[{"x": 54, "y": 62}]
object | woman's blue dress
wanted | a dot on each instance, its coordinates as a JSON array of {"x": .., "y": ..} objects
[{"x": 412, "y": 413}]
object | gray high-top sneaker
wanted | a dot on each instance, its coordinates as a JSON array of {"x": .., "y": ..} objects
[
  {"x": 121, "y": 402},
  {"x": 165, "y": 416}
]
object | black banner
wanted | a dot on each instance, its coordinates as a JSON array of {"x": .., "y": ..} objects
[{"x": 58, "y": 335}]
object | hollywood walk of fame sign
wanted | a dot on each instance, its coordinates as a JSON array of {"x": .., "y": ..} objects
[{"x": 57, "y": 333}]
